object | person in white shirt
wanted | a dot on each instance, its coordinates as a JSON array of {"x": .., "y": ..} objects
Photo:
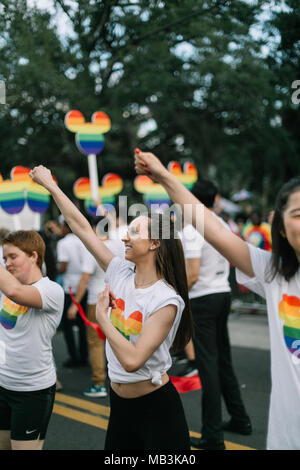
[
  {"x": 143, "y": 312},
  {"x": 210, "y": 295},
  {"x": 92, "y": 280},
  {"x": 30, "y": 311},
  {"x": 70, "y": 257},
  {"x": 277, "y": 273}
]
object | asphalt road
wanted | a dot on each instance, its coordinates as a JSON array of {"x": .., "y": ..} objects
[{"x": 79, "y": 423}]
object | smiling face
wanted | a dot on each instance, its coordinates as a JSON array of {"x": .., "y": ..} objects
[
  {"x": 19, "y": 263},
  {"x": 291, "y": 222},
  {"x": 137, "y": 242}
]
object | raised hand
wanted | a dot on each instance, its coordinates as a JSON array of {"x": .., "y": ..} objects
[
  {"x": 42, "y": 175},
  {"x": 147, "y": 163},
  {"x": 106, "y": 299}
]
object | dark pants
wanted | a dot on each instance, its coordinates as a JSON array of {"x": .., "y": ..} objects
[
  {"x": 76, "y": 353},
  {"x": 213, "y": 359},
  {"x": 155, "y": 421}
]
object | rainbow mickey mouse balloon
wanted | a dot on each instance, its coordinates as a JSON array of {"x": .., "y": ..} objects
[
  {"x": 154, "y": 193},
  {"x": 89, "y": 135}
]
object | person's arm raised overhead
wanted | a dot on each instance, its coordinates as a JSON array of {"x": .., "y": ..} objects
[
  {"x": 74, "y": 218},
  {"x": 229, "y": 245}
]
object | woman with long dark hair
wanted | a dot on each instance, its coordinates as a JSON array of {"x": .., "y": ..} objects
[
  {"x": 276, "y": 276},
  {"x": 143, "y": 312}
]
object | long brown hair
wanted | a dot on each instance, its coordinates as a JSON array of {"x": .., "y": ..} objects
[
  {"x": 284, "y": 259},
  {"x": 170, "y": 265}
]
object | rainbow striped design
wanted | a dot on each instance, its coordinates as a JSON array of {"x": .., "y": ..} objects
[
  {"x": 89, "y": 138},
  {"x": 15, "y": 192},
  {"x": 90, "y": 143},
  {"x": 20, "y": 174},
  {"x": 10, "y": 313},
  {"x": 12, "y": 197},
  {"x": 93, "y": 210},
  {"x": 112, "y": 184},
  {"x": 154, "y": 193},
  {"x": 189, "y": 175},
  {"x": 259, "y": 236},
  {"x": 289, "y": 311},
  {"x": 130, "y": 326},
  {"x": 38, "y": 198}
]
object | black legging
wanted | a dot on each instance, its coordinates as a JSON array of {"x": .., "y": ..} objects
[
  {"x": 213, "y": 359},
  {"x": 154, "y": 421}
]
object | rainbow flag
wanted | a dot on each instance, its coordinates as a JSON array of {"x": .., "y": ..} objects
[
  {"x": 289, "y": 311},
  {"x": 10, "y": 312}
]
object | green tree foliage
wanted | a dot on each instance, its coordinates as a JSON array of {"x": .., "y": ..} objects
[{"x": 184, "y": 79}]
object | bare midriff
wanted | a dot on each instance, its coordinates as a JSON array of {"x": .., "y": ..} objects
[{"x": 137, "y": 389}]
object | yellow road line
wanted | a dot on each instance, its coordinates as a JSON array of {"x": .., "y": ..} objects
[
  {"x": 102, "y": 423},
  {"x": 81, "y": 416},
  {"x": 84, "y": 404}
]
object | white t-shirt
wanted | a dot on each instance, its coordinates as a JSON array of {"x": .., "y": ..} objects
[
  {"x": 71, "y": 250},
  {"x": 134, "y": 307},
  {"x": 26, "y": 359},
  {"x": 283, "y": 306},
  {"x": 90, "y": 266},
  {"x": 214, "y": 268}
]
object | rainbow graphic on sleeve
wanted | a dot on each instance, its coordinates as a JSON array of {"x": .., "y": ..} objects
[
  {"x": 10, "y": 313},
  {"x": 130, "y": 326},
  {"x": 89, "y": 135},
  {"x": 289, "y": 312},
  {"x": 154, "y": 193}
]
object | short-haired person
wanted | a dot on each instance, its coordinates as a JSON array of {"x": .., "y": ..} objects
[
  {"x": 143, "y": 312},
  {"x": 210, "y": 297},
  {"x": 30, "y": 311},
  {"x": 277, "y": 275}
]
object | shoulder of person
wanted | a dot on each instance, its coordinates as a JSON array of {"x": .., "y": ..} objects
[
  {"x": 118, "y": 266},
  {"x": 46, "y": 283}
]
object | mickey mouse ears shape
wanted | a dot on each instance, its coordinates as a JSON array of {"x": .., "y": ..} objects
[{"x": 89, "y": 135}]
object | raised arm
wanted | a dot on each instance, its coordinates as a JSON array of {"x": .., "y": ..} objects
[
  {"x": 229, "y": 245},
  {"x": 74, "y": 218},
  {"x": 22, "y": 294}
]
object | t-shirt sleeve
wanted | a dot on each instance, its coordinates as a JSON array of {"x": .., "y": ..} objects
[
  {"x": 167, "y": 298},
  {"x": 192, "y": 243},
  {"x": 52, "y": 296},
  {"x": 62, "y": 252},
  {"x": 252, "y": 283},
  {"x": 260, "y": 260},
  {"x": 116, "y": 269},
  {"x": 89, "y": 264}
]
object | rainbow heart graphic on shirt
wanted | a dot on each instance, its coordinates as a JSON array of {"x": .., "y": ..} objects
[
  {"x": 130, "y": 326},
  {"x": 10, "y": 313},
  {"x": 289, "y": 311}
]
